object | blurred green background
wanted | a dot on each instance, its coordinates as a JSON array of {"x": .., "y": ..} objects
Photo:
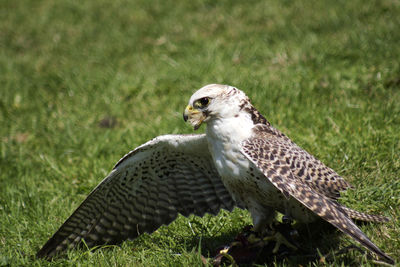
[{"x": 84, "y": 82}]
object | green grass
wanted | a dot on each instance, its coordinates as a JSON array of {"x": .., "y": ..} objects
[{"x": 327, "y": 73}]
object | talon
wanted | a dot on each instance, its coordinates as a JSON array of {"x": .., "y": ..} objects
[
  {"x": 249, "y": 246},
  {"x": 280, "y": 240}
]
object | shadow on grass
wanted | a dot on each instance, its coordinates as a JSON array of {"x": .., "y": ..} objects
[{"x": 316, "y": 243}]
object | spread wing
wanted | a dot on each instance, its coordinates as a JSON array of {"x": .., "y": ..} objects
[
  {"x": 274, "y": 157},
  {"x": 147, "y": 188}
]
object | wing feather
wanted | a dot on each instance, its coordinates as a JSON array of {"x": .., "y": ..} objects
[
  {"x": 261, "y": 150},
  {"x": 307, "y": 168},
  {"x": 147, "y": 188}
]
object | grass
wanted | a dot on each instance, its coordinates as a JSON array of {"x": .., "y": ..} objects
[{"x": 327, "y": 73}]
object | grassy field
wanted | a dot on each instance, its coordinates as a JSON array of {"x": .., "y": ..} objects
[{"x": 84, "y": 82}]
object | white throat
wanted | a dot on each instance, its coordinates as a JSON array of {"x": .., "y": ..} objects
[
  {"x": 232, "y": 130},
  {"x": 225, "y": 136}
]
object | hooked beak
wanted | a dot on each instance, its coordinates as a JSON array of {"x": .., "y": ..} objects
[
  {"x": 186, "y": 114},
  {"x": 195, "y": 116}
]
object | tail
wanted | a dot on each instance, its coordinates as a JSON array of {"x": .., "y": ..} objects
[{"x": 363, "y": 216}]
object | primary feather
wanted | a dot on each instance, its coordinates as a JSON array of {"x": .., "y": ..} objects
[{"x": 147, "y": 188}]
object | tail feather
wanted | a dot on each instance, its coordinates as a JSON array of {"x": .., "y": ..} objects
[{"x": 364, "y": 216}]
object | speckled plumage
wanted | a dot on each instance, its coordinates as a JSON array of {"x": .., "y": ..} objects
[
  {"x": 279, "y": 175},
  {"x": 241, "y": 160},
  {"x": 147, "y": 188},
  {"x": 311, "y": 183}
]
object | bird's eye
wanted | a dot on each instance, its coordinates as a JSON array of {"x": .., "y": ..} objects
[{"x": 202, "y": 102}]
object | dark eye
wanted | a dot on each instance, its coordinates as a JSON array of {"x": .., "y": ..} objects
[{"x": 202, "y": 102}]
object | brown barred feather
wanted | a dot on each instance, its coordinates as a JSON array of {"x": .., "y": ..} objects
[
  {"x": 298, "y": 174},
  {"x": 147, "y": 188}
]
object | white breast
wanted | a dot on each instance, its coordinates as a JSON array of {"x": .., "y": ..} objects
[
  {"x": 246, "y": 183},
  {"x": 224, "y": 138}
]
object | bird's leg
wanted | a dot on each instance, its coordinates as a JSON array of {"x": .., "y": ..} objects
[
  {"x": 279, "y": 240},
  {"x": 250, "y": 245},
  {"x": 262, "y": 241},
  {"x": 280, "y": 232}
]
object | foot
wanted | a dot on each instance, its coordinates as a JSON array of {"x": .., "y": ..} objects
[
  {"x": 250, "y": 246},
  {"x": 279, "y": 240}
]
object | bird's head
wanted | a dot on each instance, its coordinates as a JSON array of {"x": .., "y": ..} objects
[{"x": 214, "y": 101}]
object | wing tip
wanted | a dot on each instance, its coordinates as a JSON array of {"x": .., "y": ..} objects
[
  {"x": 46, "y": 253},
  {"x": 385, "y": 258}
]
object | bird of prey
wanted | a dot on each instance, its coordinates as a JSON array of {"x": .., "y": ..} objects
[{"x": 241, "y": 160}]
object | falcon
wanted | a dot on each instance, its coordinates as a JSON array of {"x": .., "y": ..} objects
[{"x": 241, "y": 160}]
